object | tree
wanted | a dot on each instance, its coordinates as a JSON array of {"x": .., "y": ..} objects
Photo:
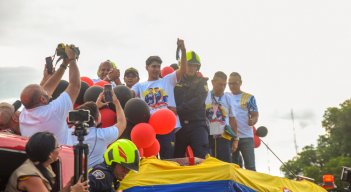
[{"x": 333, "y": 149}]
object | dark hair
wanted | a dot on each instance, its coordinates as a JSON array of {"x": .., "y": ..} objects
[
  {"x": 233, "y": 74},
  {"x": 153, "y": 59},
  {"x": 221, "y": 75},
  {"x": 174, "y": 66},
  {"x": 94, "y": 111},
  {"x": 38, "y": 149}
]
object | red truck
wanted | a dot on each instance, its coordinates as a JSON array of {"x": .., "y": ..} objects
[{"x": 12, "y": 155}]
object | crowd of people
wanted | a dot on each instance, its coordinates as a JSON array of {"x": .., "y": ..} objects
[{"x": 211, "y": 122}]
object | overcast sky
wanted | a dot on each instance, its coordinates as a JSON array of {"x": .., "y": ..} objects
[{"x": 292, "y": 55}]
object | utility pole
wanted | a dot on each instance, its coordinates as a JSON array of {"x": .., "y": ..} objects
[{"x": 293, "y": 124}]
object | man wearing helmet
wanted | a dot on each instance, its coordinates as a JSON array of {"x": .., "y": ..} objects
[
  {"x": 190, "y": 96},
  {"x": 119, "y": 158}
]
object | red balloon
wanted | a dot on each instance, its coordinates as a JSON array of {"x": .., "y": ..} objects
[
  {"x": 163, "y": 120},
  {"x": 166, "y": 70},
  {"x": 87, "y": 80},
  {"x": 153, "y": 150},
  {"x": 143, "y": 135},
  {"x": 108, "y": 117},
  {"x": 102, "y": 83},
  {"x": 257, "y": 141}
]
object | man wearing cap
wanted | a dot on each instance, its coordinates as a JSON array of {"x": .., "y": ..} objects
[
  {"x": 190, "y": 96},
  {"x": 154, "y": 86},
  {"x": 131, "y": 77},
  {"x": 9, "y": 119}
]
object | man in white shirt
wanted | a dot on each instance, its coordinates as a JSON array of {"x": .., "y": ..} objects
[
  {"x": 39, "y": 114},
  {"x": 246, "y": 114},
  {"x": 158, "y": 93},
  {"x": 220, "y": 116}
]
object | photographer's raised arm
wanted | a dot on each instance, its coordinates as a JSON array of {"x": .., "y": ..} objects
[
  {"x": 51, "y": 83},
  {"x": 74, "y": 75},
  {"x": 121, "y": 118}
]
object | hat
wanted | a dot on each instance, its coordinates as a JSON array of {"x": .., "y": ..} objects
[
  {"x": 131, "y": 70},
  {"x": 193, "y": 58}
]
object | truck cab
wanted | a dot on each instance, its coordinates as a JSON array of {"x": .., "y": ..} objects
[{"x": 12, "y": 155}]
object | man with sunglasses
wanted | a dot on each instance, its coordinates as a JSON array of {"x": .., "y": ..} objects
[{"x": 246, "y": 114}]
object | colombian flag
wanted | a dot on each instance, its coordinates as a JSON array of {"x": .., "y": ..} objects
[{"x": 211, "y": 175}]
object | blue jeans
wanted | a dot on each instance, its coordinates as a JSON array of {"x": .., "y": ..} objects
[
  {"x": 220, "y": 148},
  {"x": 246, "y": 148}
]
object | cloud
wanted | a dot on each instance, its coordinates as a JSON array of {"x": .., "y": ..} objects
[{"x": 14, "y": 79}]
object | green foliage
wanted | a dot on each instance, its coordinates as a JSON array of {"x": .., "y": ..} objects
[{"x": 333, "y": 149}]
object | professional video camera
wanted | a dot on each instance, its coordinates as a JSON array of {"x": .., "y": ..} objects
[
  {"x": 60, "y": 50},
  {"x": 61, "y": 53},
  {"x": 80, "y": 119}
]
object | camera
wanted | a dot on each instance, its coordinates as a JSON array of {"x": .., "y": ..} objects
[
  {"x": 108, "y": 93},
  {"x": 49, "y": 66},
  {"x": 81, "y": 116},
  {"x": 60, "y": 50},
  {"x": 346, "y": 174}
]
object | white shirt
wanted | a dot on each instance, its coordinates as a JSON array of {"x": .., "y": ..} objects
[
  {"x": 98, "y": 139},
  {"x": 50, "y": 117},
  {"x": 158, "y": 94},
  {"x": 243, "y": 103},
  {"x": 224, "y": 111}
]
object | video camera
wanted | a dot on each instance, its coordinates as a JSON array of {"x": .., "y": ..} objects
[
  {"x": 60, "y": 50},
  {"x": 80, "y": 119}
]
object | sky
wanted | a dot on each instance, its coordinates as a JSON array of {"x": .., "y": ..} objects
[{"x": 292, "y": 55}]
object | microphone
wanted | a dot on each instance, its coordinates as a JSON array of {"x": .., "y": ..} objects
[
  {"x": 261, "y": 131},
  {"x": 17, "y": 104}
]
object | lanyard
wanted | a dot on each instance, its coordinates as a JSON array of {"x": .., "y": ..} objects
[{"x": 214, "y": 100}]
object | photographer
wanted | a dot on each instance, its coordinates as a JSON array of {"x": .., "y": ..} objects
[
  {"x": 99, "y": 139},
  {"x": 36, "y": 174},
  {"x": 41, "y": 115}
]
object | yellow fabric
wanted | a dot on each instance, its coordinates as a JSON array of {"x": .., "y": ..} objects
[
  {"x": 244, "y": 100},
  {"x": 158, "y": 172}
]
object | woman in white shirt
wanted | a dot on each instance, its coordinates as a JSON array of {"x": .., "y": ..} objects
[{"x": 98, "y": 139}]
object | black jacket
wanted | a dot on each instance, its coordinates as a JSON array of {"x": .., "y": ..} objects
[
  {"x": 101, "y": 178},
  {"x": 190, "y": 96}
]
